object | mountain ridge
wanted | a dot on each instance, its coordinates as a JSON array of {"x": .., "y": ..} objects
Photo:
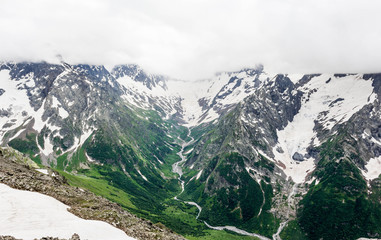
[{"x": 259, "y": 138}]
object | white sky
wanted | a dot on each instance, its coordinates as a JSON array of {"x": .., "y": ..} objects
[{"x": 193, "y": 39}]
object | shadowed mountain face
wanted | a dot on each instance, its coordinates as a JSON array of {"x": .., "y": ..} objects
[{"x": 293, "y": 154}]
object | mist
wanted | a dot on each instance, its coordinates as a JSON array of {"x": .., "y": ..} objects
[{"x": 195, "y": 39}]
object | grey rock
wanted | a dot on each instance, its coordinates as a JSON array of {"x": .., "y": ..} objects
[{"x": 298, "y": 157}]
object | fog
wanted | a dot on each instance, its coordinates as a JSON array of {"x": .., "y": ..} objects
[{"x": 193, "y": 39}]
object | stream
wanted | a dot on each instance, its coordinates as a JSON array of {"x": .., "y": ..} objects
[
  {"x": 177, "y": 168},
  {"x": 276, "y": 236}
]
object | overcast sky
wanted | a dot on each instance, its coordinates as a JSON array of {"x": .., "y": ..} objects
[{"x": 192, "y": 39}]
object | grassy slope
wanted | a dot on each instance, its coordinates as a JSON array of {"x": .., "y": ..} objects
[
  {"x": 228, "y": 205},
  {"x": 293, "y": 232},
  {"x": 176, "y": 215}
]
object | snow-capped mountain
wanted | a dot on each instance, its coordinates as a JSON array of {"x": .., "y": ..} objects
[
  {"x": 263, "y": 149},
  {"x": 59, "y": 103},
  {"x": 65, "y": 102},
  {"x": 303, "y": 136},
  {"x": 290, "y": 115},
  {"x": 190, "y": 102}
]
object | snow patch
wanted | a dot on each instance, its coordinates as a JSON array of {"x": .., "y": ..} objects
[
  {"x": 17, "y": 134},
  {"x": 158, "y": 159},
  {"x": 144, "y": 177},
  {"x": 84, "y": 137},
  {"x": 79, "y": 142},
  {"x": 373, "y": 168},
  {"x": 366, "y": 135},
  {"x": 190, "y": 150},
  {"x": 30, "y": 215},
  {"x": 89, "y": 158},
  {"x": 199, "y": 174},
  {"x": 63, "y": 113},
  {"x": 48, "y": 147},
  {"x": 43, "y": 171},
  {"x": 312, "y": 180}
]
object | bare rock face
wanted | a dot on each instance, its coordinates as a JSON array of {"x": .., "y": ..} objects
[{"x": 82, "y": 203}]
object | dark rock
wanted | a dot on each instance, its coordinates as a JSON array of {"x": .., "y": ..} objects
[
  {"x": 298, "y": 157},
  {"x": 75, "y": 237},
  {"x": 335, "y": 101}
]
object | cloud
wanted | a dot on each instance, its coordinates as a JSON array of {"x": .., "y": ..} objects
[{"x": 193, "y": 39}]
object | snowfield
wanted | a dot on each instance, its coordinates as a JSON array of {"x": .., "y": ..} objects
[
  {"x": 323, "y": 94},
  {"x": 30, "y": 215}
]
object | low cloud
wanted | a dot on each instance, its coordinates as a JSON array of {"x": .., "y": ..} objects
[{"x": 193, "y": 39}]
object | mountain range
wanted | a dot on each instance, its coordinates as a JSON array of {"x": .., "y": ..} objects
[{"x": 281, "y": 156}]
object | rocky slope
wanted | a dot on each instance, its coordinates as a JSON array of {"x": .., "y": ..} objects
[{"x": 17, "y": 172}]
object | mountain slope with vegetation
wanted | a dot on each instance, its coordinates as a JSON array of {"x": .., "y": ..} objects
[{"x": 283, "y": 156}]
